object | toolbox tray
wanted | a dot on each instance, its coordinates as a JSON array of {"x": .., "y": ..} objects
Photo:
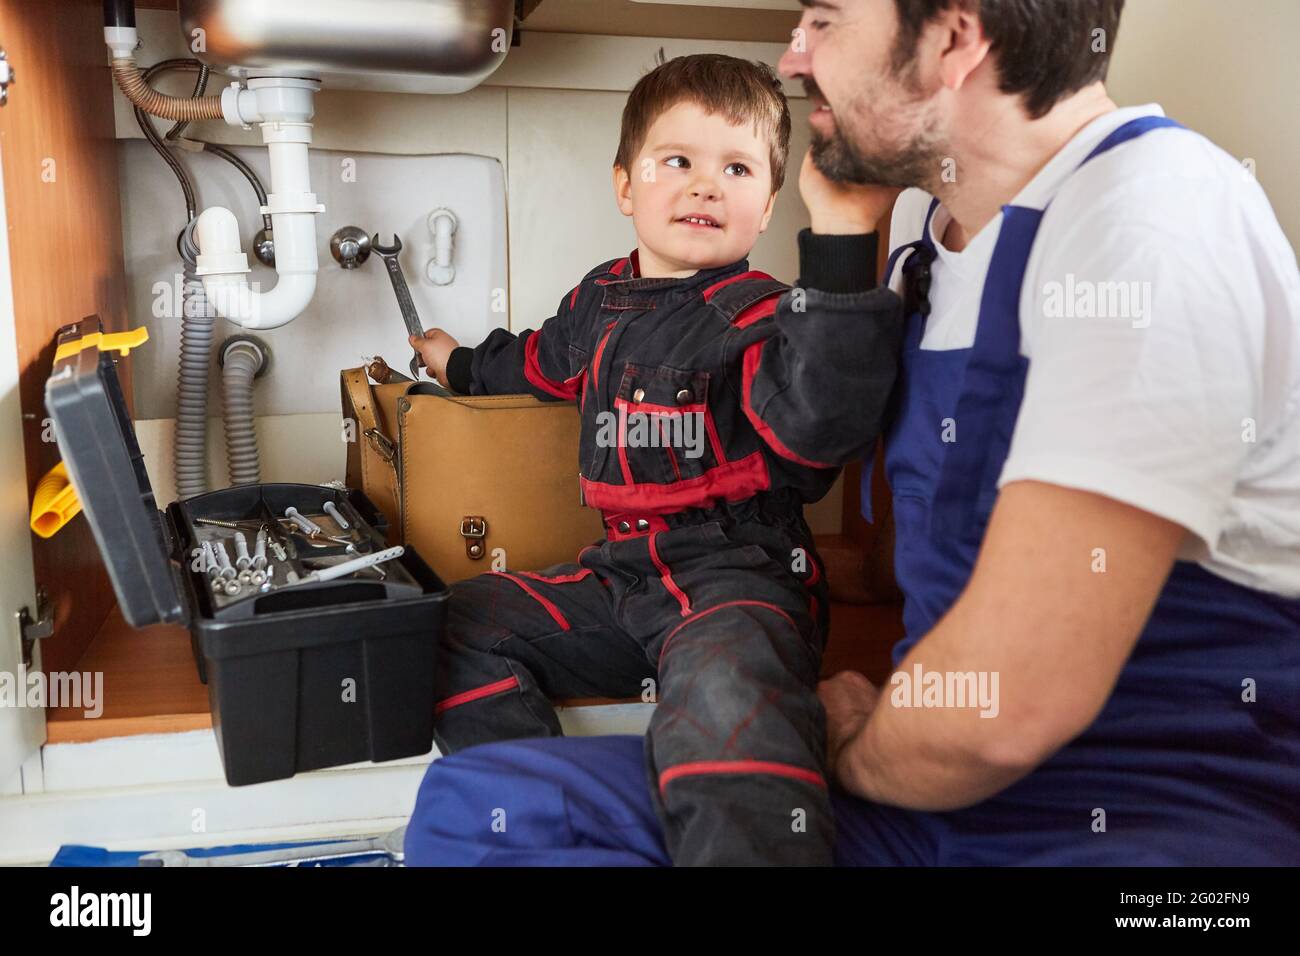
[{"x": 315, "y": 675}]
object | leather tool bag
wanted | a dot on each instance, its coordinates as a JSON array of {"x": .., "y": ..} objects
[{"x": 460, "y": 477}]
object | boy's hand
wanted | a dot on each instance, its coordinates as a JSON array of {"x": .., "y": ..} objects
[
  {"x": 842, "y": 208},
  {"x": 435, "y": 348}
]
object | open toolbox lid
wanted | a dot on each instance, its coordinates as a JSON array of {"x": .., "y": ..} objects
[{"x": 99, "y": 447}]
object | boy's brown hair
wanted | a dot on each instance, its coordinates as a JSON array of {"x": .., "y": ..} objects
[{"x": 740, "y": 90}]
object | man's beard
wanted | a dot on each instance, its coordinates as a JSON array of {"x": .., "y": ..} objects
[{"x": 916, "y": 162}]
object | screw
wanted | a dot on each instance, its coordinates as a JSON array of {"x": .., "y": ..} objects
[
  {"x": 223, "y": 560},
  {"x": 209, "y": 560},
  {"x": 217, "y": 524},
  {"x": 233, "y": 588},
  {"x": 310, "y": 527},
  {"x": 259, "y": 550},
  {"x": 242, "y": 559},
  {"x": 334, "y": 513}
]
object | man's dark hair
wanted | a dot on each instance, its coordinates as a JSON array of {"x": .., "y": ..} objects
[{"x": 1045, "y": 49}]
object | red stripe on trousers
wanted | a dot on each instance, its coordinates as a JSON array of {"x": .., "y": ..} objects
[
  {"x": 554, "y": 611},
  {"x": 709, "y": 767},
  {"x": 464, "y": 697},
  {"x": 718, "y": 607},
  {"x": 559, "y": 578},
  {"x": 666, "y": 576}
]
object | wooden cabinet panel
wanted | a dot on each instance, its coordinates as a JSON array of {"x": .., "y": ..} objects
[{"x": 65, "y": 241}]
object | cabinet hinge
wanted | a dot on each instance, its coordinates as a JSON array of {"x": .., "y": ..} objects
[
  {"x": 6, "y": 78},
  {"x": 33, "y": 630}
]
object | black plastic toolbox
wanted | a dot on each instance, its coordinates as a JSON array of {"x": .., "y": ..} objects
[{"x": 301, "y": 674}]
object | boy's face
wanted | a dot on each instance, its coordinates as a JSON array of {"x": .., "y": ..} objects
[{"x": 694, "y": 163}]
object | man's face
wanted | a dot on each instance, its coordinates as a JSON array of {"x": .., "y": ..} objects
[
  {"x": 696, "y": 164},
  {"x": 871, "y": 123}
]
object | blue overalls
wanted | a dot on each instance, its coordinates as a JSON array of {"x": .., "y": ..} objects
[{"x": 1186, "y": 769}]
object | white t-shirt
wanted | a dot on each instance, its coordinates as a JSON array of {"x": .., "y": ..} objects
[{"x": 1161, "y": 316}]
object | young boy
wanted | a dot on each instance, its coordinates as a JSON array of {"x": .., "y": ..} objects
[{"x": 715, "y": 402}]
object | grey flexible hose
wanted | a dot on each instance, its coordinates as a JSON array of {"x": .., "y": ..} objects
[
  {"x": 242, "y": 363},
  {"x": 198, "y": 324},
  {"x": 198, "y": 318}
]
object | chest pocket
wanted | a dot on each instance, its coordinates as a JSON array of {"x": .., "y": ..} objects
[{"x": 666, "y": 432}]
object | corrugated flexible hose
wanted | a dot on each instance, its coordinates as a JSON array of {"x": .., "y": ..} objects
[
  {"x": 198, "y": 324},
  {"x": 241, "y": 365},
  {"x": 131, "y": 81}
]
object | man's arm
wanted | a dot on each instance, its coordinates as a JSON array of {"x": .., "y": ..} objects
[{"x": 1039, "y": 613}]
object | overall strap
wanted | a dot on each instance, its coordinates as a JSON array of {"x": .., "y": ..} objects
[
  {"x": 1130, "y": 130},
  {"x": 994, "y": 381},
  {"x": 916, "y": 279},
  {"x": 925, "y": 242},
  {"x": 1000, "y": 301}
]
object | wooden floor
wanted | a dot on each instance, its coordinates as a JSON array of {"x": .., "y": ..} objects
[{"x": 151, "y": 685}]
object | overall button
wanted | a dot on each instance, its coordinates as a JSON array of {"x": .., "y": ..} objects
[
  {"x": 642, "y": 524},
  {"x": 624, "y": 527},
  {"x": 638, "y": 395},
  {"x": 685, "y": 397}
]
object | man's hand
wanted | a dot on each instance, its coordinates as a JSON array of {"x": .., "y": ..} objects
[
  {"x": 435, "y": 348},
  {"x": 842, "y": 208},
  {"x": 1040, "y": 614},
  {"x": 849, "y": 699}
]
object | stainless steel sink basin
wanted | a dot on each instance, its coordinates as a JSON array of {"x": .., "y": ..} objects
[{"x": 444, "y": 46}]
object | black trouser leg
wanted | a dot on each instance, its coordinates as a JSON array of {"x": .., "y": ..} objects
[
  {"x": 515, "y": 640},
  {"x": 736, "y": 747}
]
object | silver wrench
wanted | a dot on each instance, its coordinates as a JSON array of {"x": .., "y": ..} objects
[
  {"x": 389, "y": 844},
  {"x": 404, "y": 301}
]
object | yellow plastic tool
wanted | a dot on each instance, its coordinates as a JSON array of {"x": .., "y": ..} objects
[
  {"x": 56, "y": 502},
  {"x": 122, "y": 342}
]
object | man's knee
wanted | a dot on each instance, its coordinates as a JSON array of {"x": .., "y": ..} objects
[{"x": 545, "y": 801}]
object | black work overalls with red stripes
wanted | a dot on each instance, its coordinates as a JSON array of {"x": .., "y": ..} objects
[{"x": 706, "y": 595}]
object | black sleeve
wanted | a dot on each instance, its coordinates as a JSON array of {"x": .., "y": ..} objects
[
  {"x": 818, "y": 387},
  {"x": 458, "y": 370},
  {"x": 837, "y": 263},
  {"x": 533, "y": 362}
]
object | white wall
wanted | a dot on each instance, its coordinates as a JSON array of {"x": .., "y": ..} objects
[
  {"x": 1227, "y": 70},
  {"x": 550, "y": 115},
  {"x": 354, "y": 311}
]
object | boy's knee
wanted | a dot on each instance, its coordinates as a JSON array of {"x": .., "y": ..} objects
[{"x": 762, "y": 645}]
